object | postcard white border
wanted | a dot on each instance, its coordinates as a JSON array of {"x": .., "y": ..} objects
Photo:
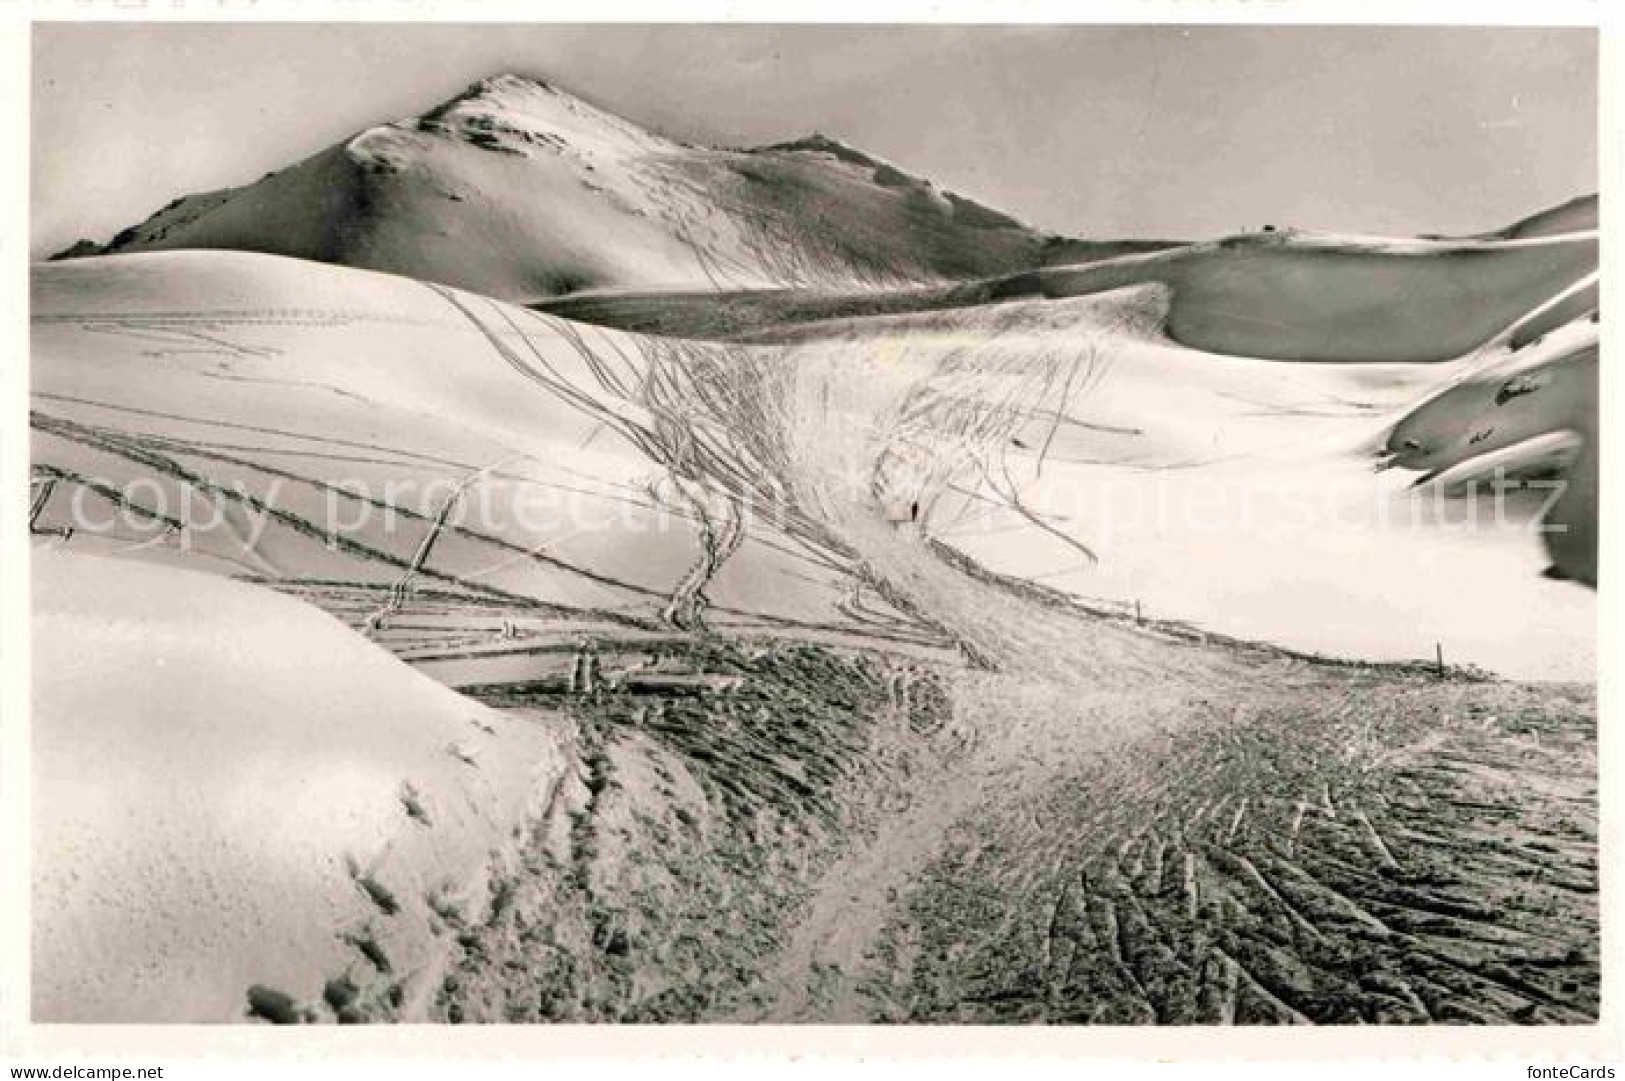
[{"x": 23, "y": 1042}]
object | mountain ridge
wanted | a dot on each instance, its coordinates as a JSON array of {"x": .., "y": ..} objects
[{"x": 556, "y": 194}]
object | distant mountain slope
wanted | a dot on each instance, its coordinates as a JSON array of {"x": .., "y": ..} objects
[
  {"x": 1578, "y": 215},
  {"x": 519, "y": 190},
  {"x": 1284, "y": 296}
]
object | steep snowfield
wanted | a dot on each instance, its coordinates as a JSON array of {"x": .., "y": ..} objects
[
  {"x": 232, "y": 790},
  {"x": 519, "y": 190}
]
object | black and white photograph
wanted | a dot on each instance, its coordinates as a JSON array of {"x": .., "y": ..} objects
[{"x": 1064, "y": 525}]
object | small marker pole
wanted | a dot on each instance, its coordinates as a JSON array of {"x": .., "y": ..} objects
[
  {"x": 1137, "y": 618},
  {"x": 1438, "y": 657}
]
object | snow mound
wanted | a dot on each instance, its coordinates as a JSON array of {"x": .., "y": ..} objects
[
  {"x": 234, "y": 791},
  {"x": 1523, "y": 418},
  {"x": 309, "y": 424}
]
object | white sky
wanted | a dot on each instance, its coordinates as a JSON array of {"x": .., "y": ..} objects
[{"x": 1091, "y": 131}]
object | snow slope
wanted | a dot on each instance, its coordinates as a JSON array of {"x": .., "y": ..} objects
[
  {"x": 1282, "y": 295},
  {"x": 1015, "y": 428},
  {"x": 309, "y": 426},
  {"x": 233, "y": 790},
  {"x": 1096, "y": 458},
  {"x": 1331, "y": 297},
  {"x": 1578, "y": 215}
]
